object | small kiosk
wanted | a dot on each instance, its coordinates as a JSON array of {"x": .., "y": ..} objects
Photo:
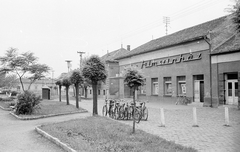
[{"x": 45, "y": 92}]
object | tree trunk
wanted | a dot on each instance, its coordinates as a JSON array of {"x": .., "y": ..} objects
[
  {"x": 73, "y": 91},
  {"x": 77, "y": 93},
  {"x": 67, "y": 98},
  {"x": 95, "y": 109},
  {"x": 134, "y": 109},
  {"x": 21, "y": 83},
  {"x": 60, "y": 93},
  {"x": 85, "y": 92}
]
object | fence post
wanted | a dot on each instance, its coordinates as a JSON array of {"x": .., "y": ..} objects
[
  {"x": 195, "y": 117},
  {"x": 162, "y": 118},
  {"x": 226, "y": 117}
]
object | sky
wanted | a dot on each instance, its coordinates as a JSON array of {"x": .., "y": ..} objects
[{"x": 55, "y": 30}]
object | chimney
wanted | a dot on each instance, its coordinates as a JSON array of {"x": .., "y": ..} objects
[{"x": 128, "y": 47}]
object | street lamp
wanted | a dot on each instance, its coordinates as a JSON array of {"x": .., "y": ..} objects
[
  {"x": 80, "y": 53},
  {"x": 68, "y": 64}
]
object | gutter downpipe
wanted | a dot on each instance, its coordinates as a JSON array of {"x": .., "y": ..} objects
[{"x": 207, "y": 38}]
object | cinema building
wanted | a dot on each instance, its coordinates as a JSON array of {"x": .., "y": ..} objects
[{"x": 184, "y": 63}]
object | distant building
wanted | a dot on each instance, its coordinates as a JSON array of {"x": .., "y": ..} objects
[
  {"x": 110, "y": 88},
  {"x": 37, "y": 86}
]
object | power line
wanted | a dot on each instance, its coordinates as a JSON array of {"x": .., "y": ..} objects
[{"x": 175, "y": 16}]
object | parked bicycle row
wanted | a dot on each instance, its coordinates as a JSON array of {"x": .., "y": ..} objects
[{"x": 121, "y": 109}]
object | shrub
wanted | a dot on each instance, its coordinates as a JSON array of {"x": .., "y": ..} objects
[
  {"x": 14, "y": 93},
  {"x": 27, "y": 102}
]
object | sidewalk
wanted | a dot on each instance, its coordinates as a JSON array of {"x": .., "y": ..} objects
[
  {"x": 20, "y": 136},
  {"x": 211, "y": 135}
]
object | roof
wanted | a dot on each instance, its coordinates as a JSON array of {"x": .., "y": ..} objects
[
  {"x": 231, "y": 44},
  {"x": 114, "y": 54},
  {"x": 185, "y": 35}
]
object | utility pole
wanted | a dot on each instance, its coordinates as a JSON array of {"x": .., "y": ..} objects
[
  {"x": 68, "y": 64},
  {"x": 80, "y": 53},
  {"x": 166, "y": 21}
]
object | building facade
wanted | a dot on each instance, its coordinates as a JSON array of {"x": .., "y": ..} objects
[
  {"x": 226, "y": 71},
  {"x": 185, "y": 63},
  {"x": 110, "y": 88},
  {"x": 37, "y": 86}
]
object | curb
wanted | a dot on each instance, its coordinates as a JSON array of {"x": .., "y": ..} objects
[
  {"x": 54, "y": 140},
  {"x": 6, "y": 109},
  {"x": 46, "y": 116}
]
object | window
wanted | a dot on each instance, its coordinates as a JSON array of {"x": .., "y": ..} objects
[
  {"x": 181, "y": 85},
  {"x": 154, "y": 86},
  {"x": 104, "y": 92},
  {"x": 99, "y": 92},
  {"x": 167, "y": 86},
  {"x": 142, "y": 89},
  {"x": 90, "y": 91}
]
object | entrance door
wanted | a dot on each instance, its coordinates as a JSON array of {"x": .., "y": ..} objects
[
  {"x": 232, "y": 92},
  {"x": 198, "y": 91}
]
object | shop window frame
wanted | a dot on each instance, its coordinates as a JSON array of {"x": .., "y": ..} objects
[
  {"x": 181, "y": 81},
  {"x": 154, "y": 82},
  {"x": 167, "y": 81}
]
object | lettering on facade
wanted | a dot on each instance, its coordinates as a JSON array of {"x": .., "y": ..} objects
[{"x": 176, "y": 60}]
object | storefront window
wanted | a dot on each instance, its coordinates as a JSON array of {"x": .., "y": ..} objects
[
  {"x": 181, "y": 85},
  {"x": 167, "y": 86},
  {"x": 154, "y": 86}
]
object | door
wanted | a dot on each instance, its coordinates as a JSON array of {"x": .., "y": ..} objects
[
  {"x": 196, "y": 91},
  {"x": 201, "y": 91},
  {"x": 232, "y": 92}
]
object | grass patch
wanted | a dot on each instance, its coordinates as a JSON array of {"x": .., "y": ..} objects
[
  {"x": 7, "y": 104},
  {"x": 103, "y": 134},
  {"x": 47, "y": 107}
]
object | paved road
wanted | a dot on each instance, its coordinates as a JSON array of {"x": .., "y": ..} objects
[
  {"x": 211, "y": 135},
  {"x": 20, "y": 136}
]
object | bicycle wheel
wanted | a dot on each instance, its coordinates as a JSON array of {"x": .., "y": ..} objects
[
  {"x": 137, "y": 116},
  {"x": 116, "y": 113},
  {"x": 121, "y": 112},
  {"x": 111, "y": 113},
  {"x": 126, "y": 113},
  {"x": 130, "y": 112},
  {"x": 104, "y": 110},
  {"x": 145, "y": 114}
]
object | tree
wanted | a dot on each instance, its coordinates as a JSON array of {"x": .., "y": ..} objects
[
  {"x": 236, "y": 15},
  {"x": 94, "y": 70},
  {"x": 134, "y": 79},
  {"x": 86, "y": 83},
  {"x": 21, "y": 64},
  {"x": 66, "y": 82},
  {"x": 59, "y": 83},
  {"x": 76, "y": 79}
]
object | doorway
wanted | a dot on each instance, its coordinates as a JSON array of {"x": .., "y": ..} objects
[
  {"x": 198, "y": 91},
  {"x": 232, "y": 92}
]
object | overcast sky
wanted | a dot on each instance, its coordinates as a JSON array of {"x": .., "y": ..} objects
[{"x": 56, "y": 29}]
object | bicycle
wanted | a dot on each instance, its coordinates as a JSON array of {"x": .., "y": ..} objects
[
  {"x": 183, "y": 100},
  {"x": 108, "y": 110},
  {"x": 141, "y": 112}
]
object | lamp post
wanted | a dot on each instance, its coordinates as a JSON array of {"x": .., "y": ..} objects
[
  {"x": 80, "y": 54},
  {"x": 68, "y": 64}
]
